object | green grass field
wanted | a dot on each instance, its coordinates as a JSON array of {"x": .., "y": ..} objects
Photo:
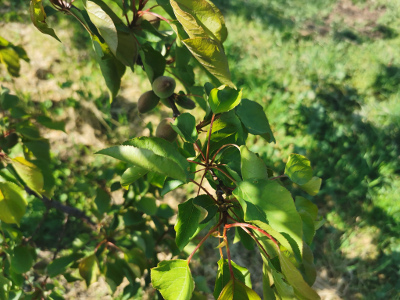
[{"x": 328, "y": 75}]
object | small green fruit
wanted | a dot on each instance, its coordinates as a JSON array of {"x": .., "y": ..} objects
[
  {"x": 185, "y": 102},
  {"x": 165, "y": 101},
  {"x": 164, "y": 86},
  {"x": 147, "y": 102},
  {"x": 164, "y": 130}
]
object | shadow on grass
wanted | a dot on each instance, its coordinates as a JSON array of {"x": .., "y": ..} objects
[
  {"x": 256, "y": 10},
  {"x": 350, "y": 153},
  {"x": 387, "y": 81}
]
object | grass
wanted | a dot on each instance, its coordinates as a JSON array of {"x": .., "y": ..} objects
[
  {"x": 331, "y": 92},
  {"x": 330, "y": 85}
]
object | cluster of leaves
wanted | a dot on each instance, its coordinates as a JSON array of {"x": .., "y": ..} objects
[{"x": 124, "y": 240}]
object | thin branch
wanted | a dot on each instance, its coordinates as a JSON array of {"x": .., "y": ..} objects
[
  {"x": 145, "y": 12},
  {"x": 255, "y": 228},
  {"x": 228, "y": 253},
  {"x": 280, "y": 176},
  {"x": 209, "y": 138},
  {"x": 195, "y": 162},
  {"x": 175, "y": 110},
  {"x": 198, "y": 149},
  {"x": 203, "y": 240},
  {"x": 222, "y": 147},
  {"x": 223, "y": 172},
  {"x": 69, "y": 210},
  {"x": 201, "y": 182},
  {"x": 256, "y": 240},
  {"x": 207, "y": 192}
]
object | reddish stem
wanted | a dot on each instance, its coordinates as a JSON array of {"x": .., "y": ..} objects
[
  {"x": 203, "y": 240},
  {"x": 228, "y": 253},
  {"x": 255, "y": 228},
  {"x": 199, "y": 150},
  {"x": 143, "y": 12},
  {"x": 223, "y": 172},
  {"x": 98, "y": 246},
  {"x": 195, "y": 162},
  {"x": 280, "y": 176},
  {"x": 201, "y": 182},
  {"x": 209, "y": 138},
  {"x": 211, "y": 196},
  {"x": 114, "y": 246},
  {"x": 255, "y": 239},
  {"x": 222, "y": 147}
]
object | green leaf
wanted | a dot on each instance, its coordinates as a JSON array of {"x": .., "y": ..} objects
[
  {"x": 160, "y": 147},
  {"x": 227, "y": 129},
  {"x": 115, "y": 33},
  {"x": 200, "y": 18},
  {"x": 285, "y": 291},
  {"x": 211, "y": 55},
  {"x": 7, "y": 100},
  {"x": 173, "y": 279},
  {"x": 268, "y": 292},
  {"x": 295, "y": 279},
  {"x": 275, "y": 234},
  {"x": 89, "y": 269},
  {"x": 309, "y": 213},
  {"x": 146, "y": 159},
  {"x": 104, "y": 24},
  {"x": 254, "y": 119},
  {"x": 131, "y": 175},
  {"x": 244, "y": 238},
  {"x": 153, "y": 62},
  {"x": 187, "y": 223},
  {"x": 170, "y": 185},
  {"x": 29, "y": 173},
  {"x": 235, "y": 290},
  {"x": 10, "y": 59},
  {"x": 303, "y": 204},
  {"x": 224, "y": 99},
  {"x": 21, "y": 259},
  {"x": 224, "y": 276},
  {"x": 309, "y": 271},
  {"x": 40, "y": 149},
  {"x": 61, "y": 264},
  {"x": 298, "y": 169},
  {"x": 12, "y": 203},
  {"x": 278, "y": 205},
  {"x": 185, "y": 126},
  {"x": 5, "y": 286},
  {"x": 49, "y": 182},
  {"x": 38, "y": 17},
  {"x": 28, "y": 130},
  {"x": 49, "y": 123},
  {"x": 252, "y": 165},
  {"x": 102, "y": 201},
  {"x": 111, "y": 68},
  {"x": 313, "y": 186},
  {"x": 205, "y": 202},
  {"x": 147, "y": 205},
  {"x": 137, "y": 261}
]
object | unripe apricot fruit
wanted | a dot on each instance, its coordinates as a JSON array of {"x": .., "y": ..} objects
[
  {"x": 164, "y": 130},
  {"x": 147, "y": 102},
  {"x": 164, "y": 86}
]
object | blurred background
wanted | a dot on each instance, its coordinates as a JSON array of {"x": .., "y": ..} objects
[{"x": 327, "y": 73}]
